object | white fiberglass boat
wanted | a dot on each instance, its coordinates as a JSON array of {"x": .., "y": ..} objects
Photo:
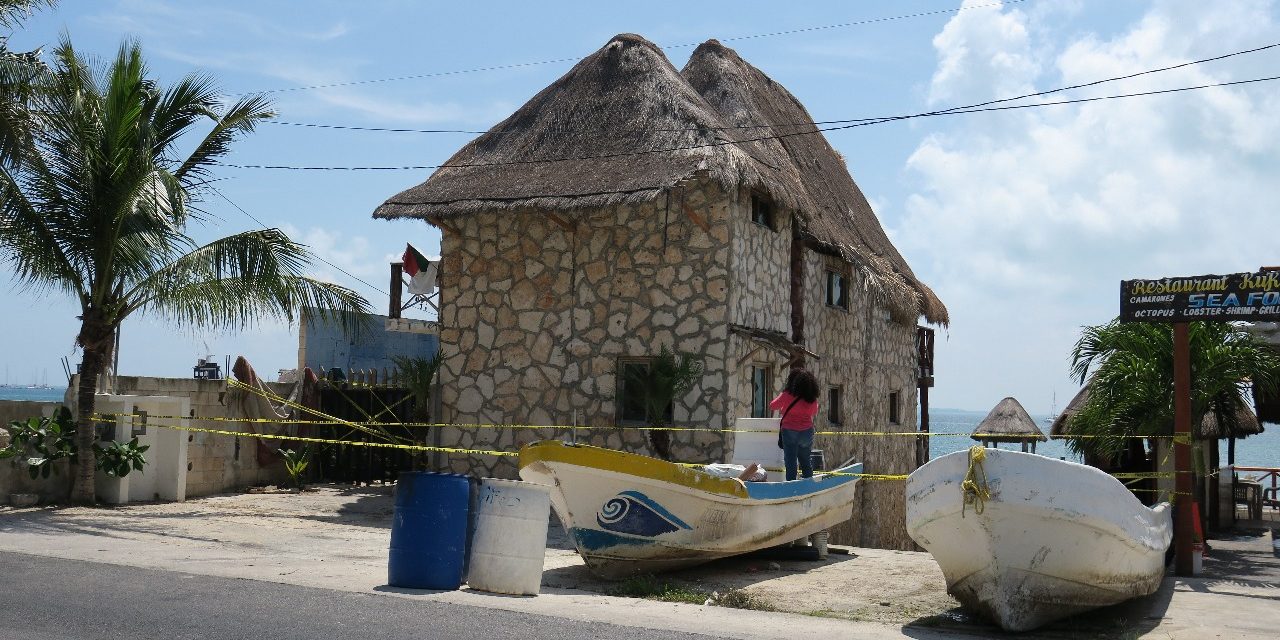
[
  {"x": 1051, "y": 539},
  {"x": 629, "y": 514}
]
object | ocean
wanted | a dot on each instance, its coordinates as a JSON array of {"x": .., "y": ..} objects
[
  {"x": 52, "y": 394},
  {"x": 1262, "y": 450}
]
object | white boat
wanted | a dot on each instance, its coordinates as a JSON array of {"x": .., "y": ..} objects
[
  {"x": 630, "y": 514},
  {"x": 1053, "y": 538}
]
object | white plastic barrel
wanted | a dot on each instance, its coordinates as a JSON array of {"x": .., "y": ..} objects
[{"x": 510, "y": 538}]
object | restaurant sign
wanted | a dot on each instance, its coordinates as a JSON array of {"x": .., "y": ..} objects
[{"x": 1237, "y": 296}]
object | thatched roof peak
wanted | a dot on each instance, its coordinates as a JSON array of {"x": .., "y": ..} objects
[
  {"x": 1008, "y": 422},
  {"x": 623, "y": 125},
  {"x": 808, "y": 175}
]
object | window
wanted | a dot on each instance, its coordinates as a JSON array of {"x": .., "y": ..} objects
[
  {"x": 761, "y": 387},
  {"x": 762, "y": 211},
  {"x": 837, "y": 290},
  {"x": 633, "y": 376},
  {"x": 833, "y": 405},
  {"x": 894, "y": 410}
]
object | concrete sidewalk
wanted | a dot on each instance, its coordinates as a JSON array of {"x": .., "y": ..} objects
[{"x": 337, "y": 538}]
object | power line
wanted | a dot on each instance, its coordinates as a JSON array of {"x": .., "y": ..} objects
[
  {"x": 946, "y": 112},
  {"x": 318, "y": 256},
  {"x": 825, "y": 122},
  {"x": 1044, "y": 93},
  {"x": 520, "y": 65},
  {"x": 355, "y": 128}
]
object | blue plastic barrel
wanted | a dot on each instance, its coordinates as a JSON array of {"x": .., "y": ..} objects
[{"x": 429, "y": 531}]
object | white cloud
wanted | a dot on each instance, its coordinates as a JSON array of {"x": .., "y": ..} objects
[
  {"x": 1038, "y": 214},
  {"x": 353, "y": 255},
  {"x": 981, "y": 53}
]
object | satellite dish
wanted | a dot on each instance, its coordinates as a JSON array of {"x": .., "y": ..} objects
[{"x": 423, "y": 283}]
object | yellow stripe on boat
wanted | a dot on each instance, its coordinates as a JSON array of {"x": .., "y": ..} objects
[{"x": 629, "y": 463}]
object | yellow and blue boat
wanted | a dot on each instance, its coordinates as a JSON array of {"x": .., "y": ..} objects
[{"x": 630, "y": 514}]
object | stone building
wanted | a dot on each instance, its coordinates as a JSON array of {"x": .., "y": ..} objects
[{"x": 631, "y": 206}]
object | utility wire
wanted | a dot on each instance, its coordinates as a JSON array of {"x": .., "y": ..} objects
[
  {"x": 318, "y": 256},
  {"x": 826, "y": 122},
  {"x": 521, "y": 65},
  {"x": 946, "y": 112}
]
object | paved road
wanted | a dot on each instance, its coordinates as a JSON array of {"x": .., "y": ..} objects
[{"x": 46, "y": 598}]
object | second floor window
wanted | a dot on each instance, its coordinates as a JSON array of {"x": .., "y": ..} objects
[
  {"x": 762, "y": 212},
  {"x": 837, "y": 290}
]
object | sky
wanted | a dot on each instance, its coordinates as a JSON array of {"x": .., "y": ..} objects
[{"x": 1022, "y": 221}]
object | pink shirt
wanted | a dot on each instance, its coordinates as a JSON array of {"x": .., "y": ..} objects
[{"x": 800, "y": 417}]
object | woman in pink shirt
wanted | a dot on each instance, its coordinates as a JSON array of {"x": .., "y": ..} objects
[{"x": 798, "y": 403}]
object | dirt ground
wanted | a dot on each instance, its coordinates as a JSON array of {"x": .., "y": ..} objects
[{"x": 338, "y": 537}]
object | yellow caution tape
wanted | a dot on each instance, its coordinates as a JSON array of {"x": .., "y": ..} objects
[
  {"x": 480, "y": 425},
  {"x": 354, "y": 443}
]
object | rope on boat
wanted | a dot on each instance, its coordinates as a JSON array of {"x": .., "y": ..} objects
[{"x": 974, "y": 487}]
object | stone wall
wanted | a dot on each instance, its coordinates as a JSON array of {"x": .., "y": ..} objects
[
  {"x": 538, "y": 311},
  {"x": 760, "y": 294},
  {"x": 868, "y": 356},
  {"x": 536, "y": 316}
]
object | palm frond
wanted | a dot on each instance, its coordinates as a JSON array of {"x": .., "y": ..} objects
[
  {"x": 240, "y": 119},
  {"x": 238, "y": 280},
  {"x": 14, "y": 12}
]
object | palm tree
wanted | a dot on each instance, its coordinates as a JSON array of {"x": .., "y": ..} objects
[
  {"x": 1129, "y": 370},
  {"x": 97, "y": 206},
  {"x": 667, "y": 377}
]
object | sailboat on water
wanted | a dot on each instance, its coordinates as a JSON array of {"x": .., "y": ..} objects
[{"x": 1053, "y": 411}]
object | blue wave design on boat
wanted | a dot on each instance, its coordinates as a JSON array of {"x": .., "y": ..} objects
[{"x": 635, "y": 513}]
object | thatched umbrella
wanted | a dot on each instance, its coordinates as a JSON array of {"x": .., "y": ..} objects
[
  {"x": 623, "y": 126},
  {"x": 1009, "y": 422}
]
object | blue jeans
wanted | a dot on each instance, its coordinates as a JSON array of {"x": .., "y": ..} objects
[{"x": 798, "y": 445}]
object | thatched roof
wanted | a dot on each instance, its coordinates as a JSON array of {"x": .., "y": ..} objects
[
  {"x": 623, "y": 99},
  {"x": 1008, "y": 422},
  {"x": 813, "y": 178},
  {"x": 1207, "y": 429},
  {"x": 624, "y": 126}
]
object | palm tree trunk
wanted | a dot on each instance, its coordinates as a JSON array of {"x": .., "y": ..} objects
[{"x": 96, "y": 343}]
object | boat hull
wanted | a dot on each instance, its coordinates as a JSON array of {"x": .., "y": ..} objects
[
  {"x": 1054, "y": 539},
  {"x": 630, "y": 514}
]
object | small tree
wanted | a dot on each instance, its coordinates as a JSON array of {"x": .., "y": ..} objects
[
  {"x": 1129, "y": 370},
  {"x": 667, "y": 377},
  {"x": 417, "y": 373}
]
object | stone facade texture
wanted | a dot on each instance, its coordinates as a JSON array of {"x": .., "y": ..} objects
[{"x": 538, "y": 310}]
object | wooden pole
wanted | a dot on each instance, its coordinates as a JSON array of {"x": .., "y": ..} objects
[
  {"x": 396, "y": 290},
  {"x": 1182, "y": 560},
  {"x": 922, "y": 447},
  {"x": 797, "y": 289}
]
